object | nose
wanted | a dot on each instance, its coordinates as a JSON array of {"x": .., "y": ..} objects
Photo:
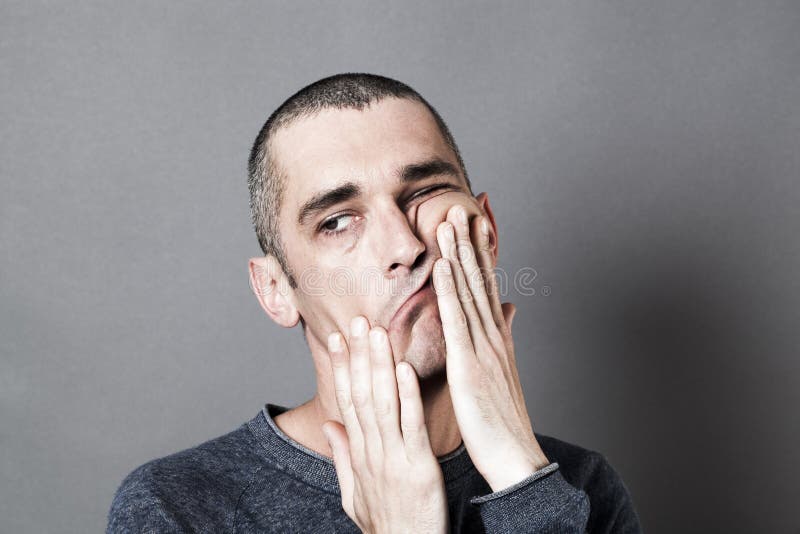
[{"x": 398, "y": 245}]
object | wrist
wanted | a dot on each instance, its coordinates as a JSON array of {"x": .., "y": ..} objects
[{"x": 515, "y": 471}]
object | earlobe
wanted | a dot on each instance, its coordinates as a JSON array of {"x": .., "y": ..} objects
[{"x": 271, "y": 288}]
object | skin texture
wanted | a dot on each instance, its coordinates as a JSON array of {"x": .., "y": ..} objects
[
  {"x": 455, "y": 338},
  {"x": 389, "y": 477}
]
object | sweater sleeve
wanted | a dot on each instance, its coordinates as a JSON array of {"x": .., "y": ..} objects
[
  {"x": 543, "y": 502},
  {"x": 613, "y": 510}
]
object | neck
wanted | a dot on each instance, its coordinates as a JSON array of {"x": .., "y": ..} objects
[{"x": 304, "y": 423}]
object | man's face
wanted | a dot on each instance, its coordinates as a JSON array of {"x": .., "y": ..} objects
[{"x": 365, "y": 192}]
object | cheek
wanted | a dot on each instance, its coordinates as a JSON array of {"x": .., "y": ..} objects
[
  {"x": 434, "y": 211},
  {"x": 346, "y": 291},
  {"x": 431, "y": 212},
  {"x": 331, "y": 308}
]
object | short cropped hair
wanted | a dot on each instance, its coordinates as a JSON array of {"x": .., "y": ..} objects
[{"x": 342, "y": 91}]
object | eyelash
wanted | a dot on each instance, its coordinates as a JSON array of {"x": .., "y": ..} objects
[
  {"x": 333, "y": 233},
  {"x": 337, "y": 233}
]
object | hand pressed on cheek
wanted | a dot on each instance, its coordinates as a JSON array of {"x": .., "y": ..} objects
[{"x": 481, "y": 368}]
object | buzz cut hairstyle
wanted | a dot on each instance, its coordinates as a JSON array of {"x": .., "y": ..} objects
[{"x": 267, "y": 182}]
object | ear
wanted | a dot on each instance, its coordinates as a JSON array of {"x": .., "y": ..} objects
[
  {"x": 483, "y": 202},
  {"x": 271, "y": 287}
]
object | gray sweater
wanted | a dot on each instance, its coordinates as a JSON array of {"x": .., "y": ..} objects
[{"x": 258, "y": 479}]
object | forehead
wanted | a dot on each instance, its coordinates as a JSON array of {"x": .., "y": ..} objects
[{"x": 338, "y": 145}]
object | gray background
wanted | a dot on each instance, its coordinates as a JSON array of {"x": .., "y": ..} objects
[{"x": 641, "y": 156}]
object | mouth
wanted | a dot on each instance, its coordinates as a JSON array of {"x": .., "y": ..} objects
[{"x": 418, "y": 297}]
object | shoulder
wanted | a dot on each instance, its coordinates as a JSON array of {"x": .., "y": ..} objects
[
  {"x": 591, "y": 471},
  {"x": 198, "y": 485}
]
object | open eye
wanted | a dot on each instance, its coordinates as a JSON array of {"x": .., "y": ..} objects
[{"x": 335, "y": 226}]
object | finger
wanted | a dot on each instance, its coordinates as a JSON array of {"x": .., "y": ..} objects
[
  {"x": 446, "y": 236},
  {"x": 486, "y": 262},
  {"x": 361, "y": 388},
  {"x": 384, "y": 390},
  {"x": 340, "y": 363},
  {"x": 412, "y": 414},
  {"x": 454, "y": 322},
  {"x": 337, "y": 439},
  {"x": 473, "y": 275},
  {"x": 509, "y": 311}
]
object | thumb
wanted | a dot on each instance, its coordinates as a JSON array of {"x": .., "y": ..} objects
[
  {"x": 336, "y": 435},
  {"x": 509, "y": 311}
]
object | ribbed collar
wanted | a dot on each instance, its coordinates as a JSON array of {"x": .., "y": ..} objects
[{"x": 317, "y": 470}]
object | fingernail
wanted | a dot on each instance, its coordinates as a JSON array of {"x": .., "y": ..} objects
[
  {"x": 450, "y": 232},
  {"x": 462, "y": 215},
  {"x": 334, "y": 342},
  {"x": 484, "y": 226},
  {"x": 359, "y": 326}
]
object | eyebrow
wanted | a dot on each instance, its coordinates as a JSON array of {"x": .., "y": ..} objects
[
  {"x": 419, "y": 171},
  {"x": 413, "y": 172}
]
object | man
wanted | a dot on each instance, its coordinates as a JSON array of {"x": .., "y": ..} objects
[{"x": 374, "y": 242}]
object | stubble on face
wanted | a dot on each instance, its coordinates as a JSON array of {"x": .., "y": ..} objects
[
  {"x": 420, "y": 341},
  {"x": 407, "y": 132}
]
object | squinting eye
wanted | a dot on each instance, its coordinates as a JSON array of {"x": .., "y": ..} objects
[
  {"x": 331, "y": 227},
  {"x": 429, "y": 190}
]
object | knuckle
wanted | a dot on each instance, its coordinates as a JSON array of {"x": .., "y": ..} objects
[
  {"x": 409, "y": 428},
  {"x": 496, "y": 338},
  {"x": 343, "y": 396},
  {"x": 465, "y": 251},
  {"x": 418, "y": 444},
  {"x": 465, "y": 294},
  {"x": 359, "y": 397},
  {"x": 479, "y": 279},
  {"x": 383, "y": 408}
]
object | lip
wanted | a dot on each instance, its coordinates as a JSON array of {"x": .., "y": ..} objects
[{"x": 423, "y": 291}]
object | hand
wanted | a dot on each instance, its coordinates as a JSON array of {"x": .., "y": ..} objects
[
  {"x": 389, "y": 477},
  {"x": 481, "y": 368}
]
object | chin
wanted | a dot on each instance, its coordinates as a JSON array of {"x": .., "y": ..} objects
[{"x": 423, "y": 346}]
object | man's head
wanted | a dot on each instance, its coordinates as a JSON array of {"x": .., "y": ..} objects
[
  {"x": 341, "y": 91},
  {"x": 349, "y": 179}
]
